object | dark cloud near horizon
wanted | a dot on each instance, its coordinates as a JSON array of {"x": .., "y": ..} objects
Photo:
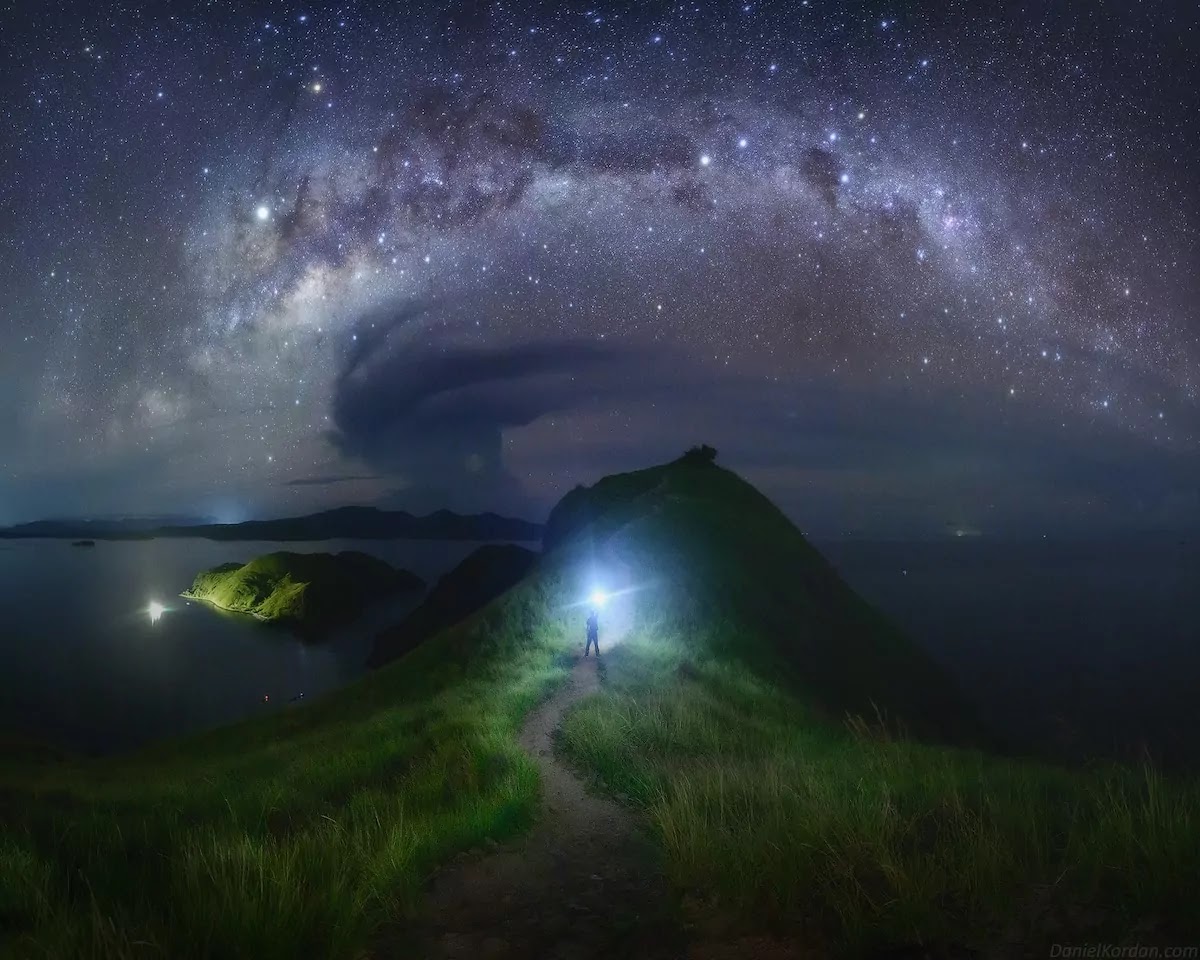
[
  {"x": 445, "y": 420},
  {"x": 436, "y": 415}
]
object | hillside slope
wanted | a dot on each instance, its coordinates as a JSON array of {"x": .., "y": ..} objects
[
  {"x": 731, "y": 656},
  {"x": 704, "y": 547},
  {"x": 753, "y": 707}
]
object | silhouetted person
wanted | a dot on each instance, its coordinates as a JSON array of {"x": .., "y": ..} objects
[{"x": 593, "y": 633}]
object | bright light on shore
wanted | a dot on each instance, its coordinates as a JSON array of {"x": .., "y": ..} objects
[{"x": 156, "y": 610}]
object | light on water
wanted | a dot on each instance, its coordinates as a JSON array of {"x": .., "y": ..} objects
[{"x": 114, "y": 635}]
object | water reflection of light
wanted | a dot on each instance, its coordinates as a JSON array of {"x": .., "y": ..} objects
[{"x": 155, "y": 609}]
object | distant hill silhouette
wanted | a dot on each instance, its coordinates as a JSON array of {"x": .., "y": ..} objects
[
  {"x": 475, "y": 582},
  {"x": 344, "y": 523}
]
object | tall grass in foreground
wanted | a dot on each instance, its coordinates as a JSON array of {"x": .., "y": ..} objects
[
  {"x": 297, "y": 835},
  {"x": 772, "y": 818}
]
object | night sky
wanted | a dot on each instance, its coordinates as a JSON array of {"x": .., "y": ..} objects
[{"x": 911, "y": 270}]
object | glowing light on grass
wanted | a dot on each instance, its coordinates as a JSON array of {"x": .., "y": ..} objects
[
  {"x": 599, "y": 598},
  {"x": 155, "y": 610}
]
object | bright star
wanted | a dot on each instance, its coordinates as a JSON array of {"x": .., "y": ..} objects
[{"x": 263, "y": 212}]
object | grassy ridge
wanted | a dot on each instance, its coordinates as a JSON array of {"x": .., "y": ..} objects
[
  {"x": 771, "y": 818},
  {"x": 758, "y": 711},
  {"x": 288, "y": 836},
  {"x": 734, "y": 660},
  {"x": 702, "y": 544}
]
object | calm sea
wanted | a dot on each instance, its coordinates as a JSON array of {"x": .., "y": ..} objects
[
  {"x": 1070, "y": 650},
  {"x": 83, "y": 666}
]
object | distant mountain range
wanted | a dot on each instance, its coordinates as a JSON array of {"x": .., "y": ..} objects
[{"x": 348, "y": 523}]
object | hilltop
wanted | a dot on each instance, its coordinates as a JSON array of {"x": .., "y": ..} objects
[
  {"x": 707, "y": 549},
  {"x": 306, "y": 590}
]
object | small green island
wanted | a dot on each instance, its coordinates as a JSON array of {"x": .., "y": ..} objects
[{"x": 308, "y": 591}]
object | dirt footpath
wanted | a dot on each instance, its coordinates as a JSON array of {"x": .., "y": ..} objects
[{"x": 582, "y": 883}]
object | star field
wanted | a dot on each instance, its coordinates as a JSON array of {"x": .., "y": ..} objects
[{"x": 904, "y": 267}]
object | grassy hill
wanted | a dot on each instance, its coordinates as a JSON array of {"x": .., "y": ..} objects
[
  {"x": 752, "y": 708},
  {"x": 299, "y": 834},
  {"x": 738, "y": 581},
  {"x": 784, "y": 739},
  {"x": 308, "y": 590}
]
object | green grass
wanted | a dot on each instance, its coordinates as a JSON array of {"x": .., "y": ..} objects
[
  {"x": 752, "y": 706},
  {"x": 761, "y": 713},
  {"x": 708, "y": 548},
  {"x": 296, "y": 835},
  {"x": 772, "y": 818}
]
